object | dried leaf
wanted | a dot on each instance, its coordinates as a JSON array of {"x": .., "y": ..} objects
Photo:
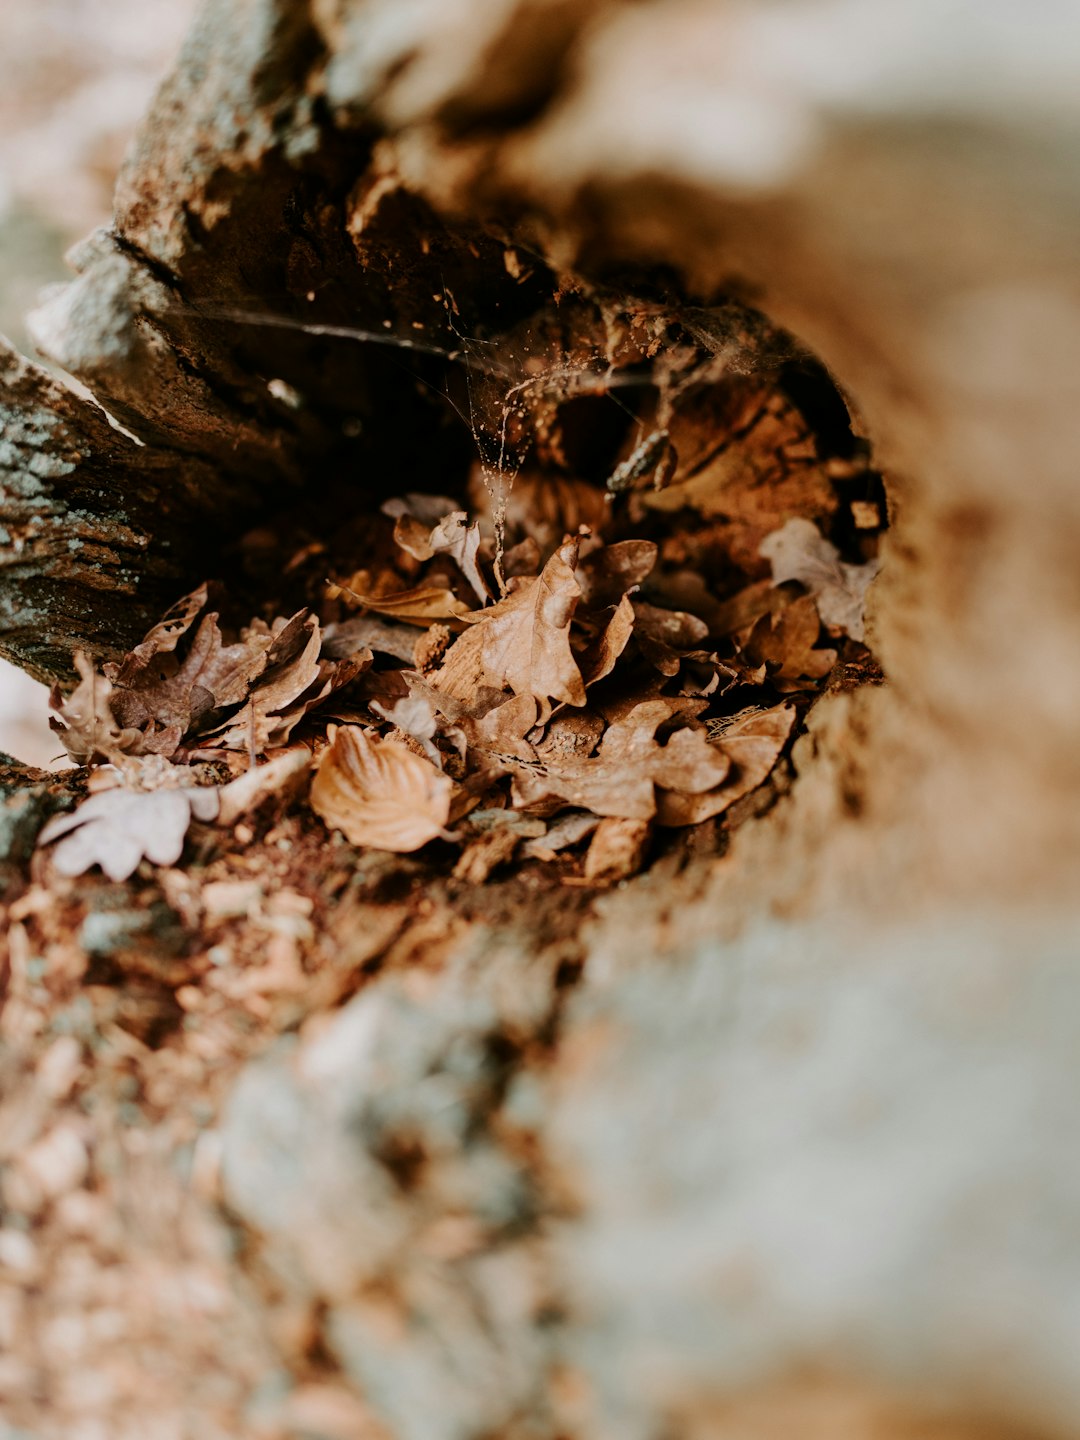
[
  {"x": 610, "y": 572},
  {"x": 165, "y": 696},
  {"x": 544, "y": 508},
  {"x": 118, "y": 828},
  {"x": 617, "y": 850},
  {"x": 84, "y": 721},
  {"x": 430, "y": 647},
  {"x": 503, "y": 729},
  {"x": 675, "y": 628},
  {"x": 566, "y": 831},
  {"x": 368, "y": 632},
  {"x": 784, "y": 643},
  {"x": 419, "y": 605},
  {"x": 523, "y": 642},
  {"x": 248, "y": 791},
  {"x": 380, "y": 794},
  {"x": 291, "y": 666},
  {"x": 415, "y": 715},
  {"x": 621, "y": 779},
  {"x": 599, "y": 658},
  {"x": 164, "y": 637},
  {"x": 424, "y": 529},
  {"x": 426, "y": 510},
  {"x": 752, "y": 742},
  {"x": 571, "y": 736},
  {"x": 798, "y": 551},
  {"x": 486, "y": 853}
]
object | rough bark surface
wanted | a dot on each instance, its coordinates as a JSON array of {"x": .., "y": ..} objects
[{"x": 771, "y": 1141}]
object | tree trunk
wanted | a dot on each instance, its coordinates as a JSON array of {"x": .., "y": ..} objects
[{"x": 773, "y": 1138}]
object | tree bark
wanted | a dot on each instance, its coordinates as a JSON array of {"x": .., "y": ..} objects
[{"x": 762, "y": 1139}]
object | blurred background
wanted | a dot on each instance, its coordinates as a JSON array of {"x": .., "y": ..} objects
[{"x": 75, "y": 76}]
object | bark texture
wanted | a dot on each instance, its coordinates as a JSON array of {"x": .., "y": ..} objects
[{"x": 772, "y": 1142}]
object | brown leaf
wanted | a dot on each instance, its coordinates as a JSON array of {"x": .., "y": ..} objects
[
  {"x": 248, "y": 791},
  {"x": 620, "y": 779},
  {"x": 166, "y": 696},
  {"x": 599, "y": 658},
  {"x": 368, "y": 632},
  {"x": 291, "y": 666},
  {"x": 164, "y": 637},
  {"x": 798, "y": 551},
  {"x": 544, "y": 508},
  {"x": 522, "y": 559},
  {"x": 486, "y": 853},
  {"x": 746, "y": 607},
  {"x": 610, "y": 572},
  {"x": 662, "y": 634},
  {"x": 175, "y": 695},
  {"x": 380, "y": 794},
  {"x": 84, "y": 721},
  {"x": 784, "y": 643},
  {"x": 751, "y": 742},
  {"x": 419, "y": 605},
  {"x": 118, "y": 828},
  {"x": 571, "y": 735},
  {"x": 566, "y": 831},
  {"x": 617, "y": 850},
  {"x": 522, "y": 642},
  {"x": 425, "y": 529},
  {"x": 502, "y": 730}
]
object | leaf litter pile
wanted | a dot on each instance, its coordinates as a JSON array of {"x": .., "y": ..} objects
[{"x": 547, "y": 668}]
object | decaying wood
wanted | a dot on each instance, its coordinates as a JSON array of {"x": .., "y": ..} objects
[{"x": 767, "y": 1139}]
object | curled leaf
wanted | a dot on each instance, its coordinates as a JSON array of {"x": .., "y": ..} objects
[
  {"x": 379, "y": 793},
  {"x": 85, "y": 722},
  {"x": 425, "y": 529}
]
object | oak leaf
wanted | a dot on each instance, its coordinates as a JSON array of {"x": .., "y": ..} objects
[
  {"x": 522, "y": 643},
  {"x": 622, "y": 778},
  {"x": 798, "y": 551},
  {"x": 118, "y": 828},
  {"x": 784, "y": 643},
  {"x": 599, "y": 658},
  {"x": 380, "y": 794},
  {"x": 663, "y": 635},
  {"x": 751, "y": 742}
]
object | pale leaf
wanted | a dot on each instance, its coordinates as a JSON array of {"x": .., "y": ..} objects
[
  {"x": 118, "y": 828},
  {"x": 415, "y": 715},
  {"x": 425, "y": 529},
  {"x": 380, "y": 794},
  {"x": 798, "y": 551},
  {"x": 568, "y": 830},
  {"x": 248, "y": 791}
]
